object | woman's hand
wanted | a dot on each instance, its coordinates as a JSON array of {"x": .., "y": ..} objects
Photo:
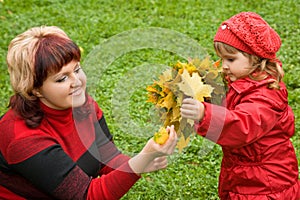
[
  {"x": 157, "y": 164},
  {"x": 160, "y": 150},
  {"x": 153, "y": 156},
  {"x": 192, "y": 109}
]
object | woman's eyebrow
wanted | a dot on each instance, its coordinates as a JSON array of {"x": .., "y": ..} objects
[{"x": 76, "y": 65}]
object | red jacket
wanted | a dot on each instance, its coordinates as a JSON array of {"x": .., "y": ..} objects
[{"x": 254, "y": 130}]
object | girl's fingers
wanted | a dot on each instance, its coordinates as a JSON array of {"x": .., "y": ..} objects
[
  {"x": 188, "y": 101},
  {"x": 187, "y": 112}
]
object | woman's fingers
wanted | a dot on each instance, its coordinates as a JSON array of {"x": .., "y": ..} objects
[{"x": 161, "y": 162}]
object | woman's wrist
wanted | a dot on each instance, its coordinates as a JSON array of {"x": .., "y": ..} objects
[{"x": 139, "y": 162}]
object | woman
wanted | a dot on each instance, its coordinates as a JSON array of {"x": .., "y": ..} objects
[{"x": 55, "y": 143}]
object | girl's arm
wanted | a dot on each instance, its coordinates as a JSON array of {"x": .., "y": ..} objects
[
  {"x": 245, "y": 124},
  {"x": 249, "y": 121}
]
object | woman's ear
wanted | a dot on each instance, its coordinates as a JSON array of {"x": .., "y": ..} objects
[{"x": 36, "y": 93}]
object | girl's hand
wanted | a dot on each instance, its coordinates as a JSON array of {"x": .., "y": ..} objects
[{"x": 192, "y": 109}]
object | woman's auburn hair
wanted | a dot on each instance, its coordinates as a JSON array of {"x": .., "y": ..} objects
[
  {"x": 262, "y": 67},
  {"x": 33, "y": 56}
]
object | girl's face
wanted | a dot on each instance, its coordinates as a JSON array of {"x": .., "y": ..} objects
[
  {"x": 64, "y": 89},
  {"x": 236, "y": 65}
]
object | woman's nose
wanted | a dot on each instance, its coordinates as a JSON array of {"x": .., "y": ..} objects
[{"x": 75, "y": 80}]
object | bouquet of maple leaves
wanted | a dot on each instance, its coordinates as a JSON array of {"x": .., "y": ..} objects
[{"x": 197, "y": 79}]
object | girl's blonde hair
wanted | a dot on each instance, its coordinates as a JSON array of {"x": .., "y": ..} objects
[
  {"x": 32, "y": 56},
  {"x": 262, "y": 67}
]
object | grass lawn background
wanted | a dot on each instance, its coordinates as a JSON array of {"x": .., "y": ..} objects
[{"x": 193, "y": 174}]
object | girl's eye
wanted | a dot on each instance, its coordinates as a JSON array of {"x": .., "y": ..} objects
[{"x": 230, "y": 59}]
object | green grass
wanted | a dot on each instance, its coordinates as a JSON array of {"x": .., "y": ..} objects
[{"x": 193, "y": 174}]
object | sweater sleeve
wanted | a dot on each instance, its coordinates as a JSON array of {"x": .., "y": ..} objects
[
  {"x": 114, "y": 164},
  {"x": 249, "y": 121},
  {"x": 116, "y": 183},
  {"x": 54, "y": 173}
]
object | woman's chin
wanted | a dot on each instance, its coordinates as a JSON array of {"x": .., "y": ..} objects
[{"x": 78, "y": 101}]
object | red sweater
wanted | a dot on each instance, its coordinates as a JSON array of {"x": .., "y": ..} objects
[{"x": 69, "y": 156}]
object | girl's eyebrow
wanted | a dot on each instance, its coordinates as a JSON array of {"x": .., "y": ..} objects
[{"x": 227, "y": 55}]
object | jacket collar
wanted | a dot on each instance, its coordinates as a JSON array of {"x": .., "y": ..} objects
[{"x": 246, "y": 84}]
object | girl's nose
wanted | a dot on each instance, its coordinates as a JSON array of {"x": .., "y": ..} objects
[{"x": 224, "y": 66}]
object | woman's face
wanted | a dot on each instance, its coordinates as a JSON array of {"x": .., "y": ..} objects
[
  {"x": 64, "y": 89},
  {"x": 236, "y": 65}
]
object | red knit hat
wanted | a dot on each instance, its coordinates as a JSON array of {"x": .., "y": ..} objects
[{"x": 248, "y": 32}]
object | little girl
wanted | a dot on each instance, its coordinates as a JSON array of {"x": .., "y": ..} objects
[{"x": 256, "y": 123}]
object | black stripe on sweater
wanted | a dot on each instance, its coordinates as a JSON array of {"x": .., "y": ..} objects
[{"x": 46, "y": 169}]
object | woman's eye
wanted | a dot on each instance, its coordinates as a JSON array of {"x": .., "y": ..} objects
[
  {"x": 61, "y": 79},
  {"x": 77, "y": 70}
]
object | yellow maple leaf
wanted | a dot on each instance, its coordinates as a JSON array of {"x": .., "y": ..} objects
[
  {"x": 167, "y": 119},
  {"x": 165, "y": 91},
  {"x": 212, "y": 74},
  {"x": 182, "y": 143},
  {"x": 178, "y": 65},
  {"x": 151, "y": 88},
  {"x": 175, "y": 114},
  {"x": 194, "y": 87},
  {"x": 161, "y": 136},
  {"x": 153, "y": 93},
  {"x": 168, "y": 101},
  {"x": 186, "y": 127},
  {"x": 152, "y": 98},
  {"x": 199, "y": 79},
  {"x": 202, "y": 64},
  {"x": 191, "y": 68},
  {"x": 172, "y": 84},
  {"x": 166, "y": 76}
]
